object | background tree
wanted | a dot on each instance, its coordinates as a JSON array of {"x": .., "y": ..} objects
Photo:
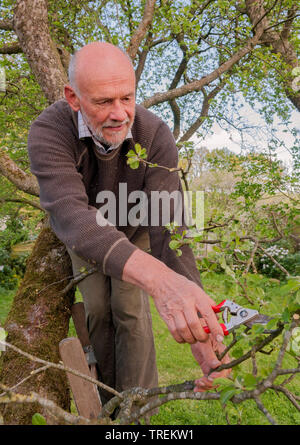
[{"x": 193, "y": 61}]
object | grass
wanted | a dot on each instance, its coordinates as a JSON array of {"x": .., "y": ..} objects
[
  {"x": 176, "y": 364},
  {"x": 6, "y": 298}
]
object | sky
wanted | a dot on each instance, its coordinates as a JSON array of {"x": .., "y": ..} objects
[{"x": 231, "y": 138}]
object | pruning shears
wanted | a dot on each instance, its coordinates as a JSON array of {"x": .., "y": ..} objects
[{"x": 238, "y": 315}]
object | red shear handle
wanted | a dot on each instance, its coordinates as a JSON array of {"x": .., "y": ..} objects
[
  {"x": 223, "y": 326},
  {"x": 218, "y": 307}
]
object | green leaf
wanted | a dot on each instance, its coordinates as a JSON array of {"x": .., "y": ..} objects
[
  {"x": 138, "y": 149},
  {"x": 131, "y": 153},
  {"x": 222, "y": 382},
  {"x": 272, "y": 324},
  {"x": 38, "y": 419},
  {"x": 237, "y": 352},
  {"x": 133, "y": 162},
  {"x": 257, "y": 329},
  {"x": 286, "y": 315},
  {"x": 132, "y": 159},
  {"x": 134, "y": 165},
  {"x": 227, "y": 393},
  {"x": 174, "y": 244},
  {"x": 249, "y": 381},
  {"x": 294, "y": 344},
  {"x": 238, "y": 382}
]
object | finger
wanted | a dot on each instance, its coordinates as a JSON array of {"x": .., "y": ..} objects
[
  {"x": 203, "y": 384},
  {"x": 206, "y": 383},
  {"x": 205, "y": 356},
  {"x": 174, "y": 332},
  {"x": 183, "y": 329},
  {"x": 211, "y": 320},
  {"x": 195, "y": 325}
]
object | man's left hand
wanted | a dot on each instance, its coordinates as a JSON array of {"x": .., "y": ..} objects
[{"x": 204, "y": 353}]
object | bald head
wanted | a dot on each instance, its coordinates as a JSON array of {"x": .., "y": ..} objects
[
  {"x": 97, "y": 60},
  {"x": 102, "y": 88}
]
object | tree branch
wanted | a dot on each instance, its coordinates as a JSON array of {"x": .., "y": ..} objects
[
  {"x": 142, "y": 58},
  {"x": 253, "y": 4},
  {"x": 11, "y": 48},
  {"x": 34, "y": 372},
  {"x": 288, "y": 394},
  {"x": 6, "y": 25},
  {"x": 32, "y": 28},
  {"x": 197, "y": 85},
  {"x": 264, "y": 410},
  {"x": 45, "y": 403},
  {"x": 138, "y": 402},
  {"x": 278, "y": 42},
  {"x": 142, "y": 29},
  {"x": 203, "y": 114},
  {"x": 25, "y": 182},
  {"x": 248, "y": 355},
  {"x": 274, "y": 261},
  {"x": 62, "y": 368},
  {"x": 23, "y": 201},
  {"x": 180, "y": 70}
]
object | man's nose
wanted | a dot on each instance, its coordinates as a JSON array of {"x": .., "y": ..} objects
[{"x": 117, "y": 111}]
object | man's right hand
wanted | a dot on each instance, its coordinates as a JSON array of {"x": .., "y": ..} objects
[{"x": 178, "y": 300}]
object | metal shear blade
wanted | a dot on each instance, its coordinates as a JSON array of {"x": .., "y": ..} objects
[
  {"x": 242, "y": 316},
  {"x": 261, "y": 319},
  {"x": 238, "y": 315}
]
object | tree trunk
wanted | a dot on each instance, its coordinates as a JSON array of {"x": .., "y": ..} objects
[
  {"x": 32, "y": 28},
  {"x": 279, "y": 42},
  {"x": 39, "y": 316},
  {"x": 37, "y": 322}
]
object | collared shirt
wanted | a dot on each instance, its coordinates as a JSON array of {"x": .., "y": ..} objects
[{"x": 84, "y": 132}]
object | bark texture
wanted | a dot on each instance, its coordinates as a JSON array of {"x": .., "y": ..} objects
[
  {"x": 279, "y": 41},
  {"x": 24, "y": 181},
  {"x": 37, "y": 321},
  {"x": 32, "y": 28},
  {"x": 40, "y": 313}
]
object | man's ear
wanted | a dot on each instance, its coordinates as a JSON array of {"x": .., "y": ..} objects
[{"x": 72, "y": 98}]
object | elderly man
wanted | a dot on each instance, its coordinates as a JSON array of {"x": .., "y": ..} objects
[{"x": 78, "y": 148}]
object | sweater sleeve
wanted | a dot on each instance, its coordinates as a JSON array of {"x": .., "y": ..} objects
[
  {"x": 164, "y": 152},
  {"x": 63, "y": 195}
]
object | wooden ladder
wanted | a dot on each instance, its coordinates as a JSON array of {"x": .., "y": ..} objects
[{"x": 77, "y": 353}]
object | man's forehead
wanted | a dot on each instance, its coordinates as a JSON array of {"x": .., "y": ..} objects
[
  {"x": 113, "y": 78},
  {"x": 101, "y": 88}
]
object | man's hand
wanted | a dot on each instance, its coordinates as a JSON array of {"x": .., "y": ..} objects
[
  {"x": 180, "y": 303},
  {"x": 178, "y": 300},
  {"x": 205, "y": 355}
]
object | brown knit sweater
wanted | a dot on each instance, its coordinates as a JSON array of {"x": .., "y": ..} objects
[{"x": 71, "y": 172}]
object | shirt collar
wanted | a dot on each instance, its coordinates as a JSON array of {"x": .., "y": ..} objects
[{"x": 84, "y": 132}]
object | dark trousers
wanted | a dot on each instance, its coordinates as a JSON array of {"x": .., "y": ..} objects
[{"x": 120, "y": 329}]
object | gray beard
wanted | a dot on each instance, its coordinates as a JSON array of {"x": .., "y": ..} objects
[{"x": 99, "y": 136}]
